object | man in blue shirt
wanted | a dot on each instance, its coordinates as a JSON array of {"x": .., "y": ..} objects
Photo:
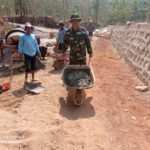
[
  {"x": 60, "y": 36},
  {"x": 29, "y": 47}
]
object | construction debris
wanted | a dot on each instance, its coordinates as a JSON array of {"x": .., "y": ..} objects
[
  {"x": 142, "y": 88},
  {"x": 103, "y": 32}
]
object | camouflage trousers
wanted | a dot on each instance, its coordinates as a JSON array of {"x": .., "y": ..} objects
[{"x": 77, "y": 61}]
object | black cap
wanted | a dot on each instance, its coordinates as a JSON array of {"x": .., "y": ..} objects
[{"x": 75, "y": 17}]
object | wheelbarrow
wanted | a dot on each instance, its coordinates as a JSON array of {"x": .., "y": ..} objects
[
  {"x": 77, "y": 78},
  {"x": 60, "y": 59}
]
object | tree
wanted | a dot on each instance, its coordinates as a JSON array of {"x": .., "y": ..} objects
[
  {"x": 101, "y": 11},
  {"x": 96, "y": 10}
]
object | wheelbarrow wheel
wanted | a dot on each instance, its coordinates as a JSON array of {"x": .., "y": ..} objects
[
  {"x": 58, "y": 64},
  {"x": 77, "y": 96}
]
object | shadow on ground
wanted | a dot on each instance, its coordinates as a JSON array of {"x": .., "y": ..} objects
[
  {"x": 19, "y": 93},
  {"x": 55, "y": 71},
  {"x": 72, "y": 112}
]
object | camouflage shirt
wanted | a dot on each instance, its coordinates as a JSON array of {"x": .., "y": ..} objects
[{"x": 79, "y": 43}]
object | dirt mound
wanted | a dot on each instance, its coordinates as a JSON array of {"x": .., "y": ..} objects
[
  {"x": 37, "y": 21},
  {"x": 4, "y": 27}
]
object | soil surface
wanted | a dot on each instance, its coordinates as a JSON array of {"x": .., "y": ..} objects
[{"x": 113, "y": 117}]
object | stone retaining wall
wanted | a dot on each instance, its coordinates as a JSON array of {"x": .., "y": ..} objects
[{"x": 133, "y": 45}]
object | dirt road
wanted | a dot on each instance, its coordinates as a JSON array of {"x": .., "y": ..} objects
[{"x": 114, "y": 116}]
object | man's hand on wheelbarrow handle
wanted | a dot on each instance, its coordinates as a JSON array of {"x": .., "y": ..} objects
[{"x": 90, "y": 57}]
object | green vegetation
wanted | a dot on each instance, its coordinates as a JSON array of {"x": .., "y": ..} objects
[{"x": 101, "y": 11}]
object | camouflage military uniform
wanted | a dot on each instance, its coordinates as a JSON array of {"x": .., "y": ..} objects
[{"x": 79, "y": 43}]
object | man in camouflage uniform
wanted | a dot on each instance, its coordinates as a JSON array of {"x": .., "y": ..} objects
[
  {"x": 90, "y": 28},
  {"x": 77, "y": 38}
]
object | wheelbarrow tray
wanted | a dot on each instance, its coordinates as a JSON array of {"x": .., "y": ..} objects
[{"x": 73, "y": 68}]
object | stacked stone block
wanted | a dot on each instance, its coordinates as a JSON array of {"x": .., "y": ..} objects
[{"x": 133, "y": 45}]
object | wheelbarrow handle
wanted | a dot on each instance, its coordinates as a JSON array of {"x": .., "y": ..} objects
[
  {"x": 11, "y": 75},
  {"x": 89, "y": 61}
]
